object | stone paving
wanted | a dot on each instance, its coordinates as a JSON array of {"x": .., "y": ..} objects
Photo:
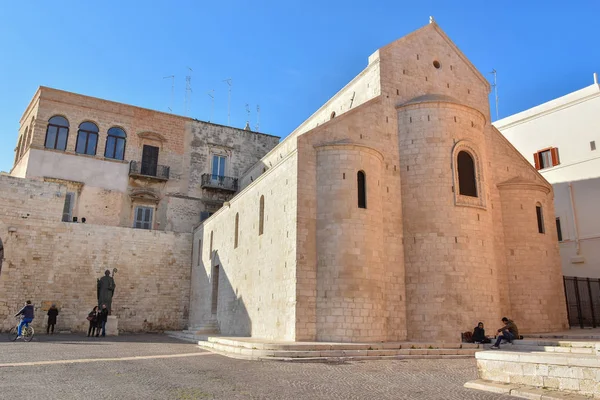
[{"x": 158, "y": 367}]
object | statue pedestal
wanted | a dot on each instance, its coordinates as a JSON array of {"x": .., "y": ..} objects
[{"x": 112, "y": 326}]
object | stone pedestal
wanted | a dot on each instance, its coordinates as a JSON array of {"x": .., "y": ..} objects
[{"x": 112, "y": 326}]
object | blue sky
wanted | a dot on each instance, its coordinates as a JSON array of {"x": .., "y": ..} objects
[{"x": 288, "y": 57}]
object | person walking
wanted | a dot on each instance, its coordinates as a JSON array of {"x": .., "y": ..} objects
[
  {"x": 508, "y": 332},
  {"x": 103, "y": 317},
  {"x": 93, "y": 318},
  {"x": 52, "y": 314},
  {"x": 26, "y": 314}
]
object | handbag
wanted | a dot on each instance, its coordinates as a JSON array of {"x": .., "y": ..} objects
[{"x": 89, "y": 318}]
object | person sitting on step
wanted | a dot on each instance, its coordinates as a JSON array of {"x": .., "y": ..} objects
[
  {"x": 479, "y": 334},
  {"x": 509, "y": 332}
]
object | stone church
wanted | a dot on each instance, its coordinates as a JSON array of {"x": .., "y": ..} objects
[{"x": 395, "y": 212}]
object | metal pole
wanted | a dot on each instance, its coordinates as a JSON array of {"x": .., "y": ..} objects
[
  {"x": 567, "y": 300},
  {"x": 578, "y": 298},
  {"x": 591, "y": 303}
]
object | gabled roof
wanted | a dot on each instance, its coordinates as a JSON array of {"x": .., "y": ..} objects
[{"x": 433, "y": 25}]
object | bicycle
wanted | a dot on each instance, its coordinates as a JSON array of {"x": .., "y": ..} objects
[{"x": 27, "y": 332}]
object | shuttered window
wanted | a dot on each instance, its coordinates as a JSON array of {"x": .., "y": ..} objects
[
  {"x": 546, "y": 158},
  {"x": 68, "y": 207},
  {"x": 143, "y": 217}
]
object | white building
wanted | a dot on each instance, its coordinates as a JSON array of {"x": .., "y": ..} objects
[{"x": 560, "y": 138}]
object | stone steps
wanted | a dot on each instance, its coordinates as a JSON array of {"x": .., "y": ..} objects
[
  {"x": 187, "y": 335},
  {"x": 568, "y": 372},
  {"x": 555, "y": 346},
  {"x": 252, "y": 349}
]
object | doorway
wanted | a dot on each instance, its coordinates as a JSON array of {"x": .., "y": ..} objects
[{"x": 149, "y": 160}]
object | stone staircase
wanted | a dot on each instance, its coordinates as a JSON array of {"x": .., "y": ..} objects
[
  {"x": 256, "y": 349},
  {"x": 541, "y": 368}
]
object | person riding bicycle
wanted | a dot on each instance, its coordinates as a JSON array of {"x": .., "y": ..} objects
[{"x": 26, "y": 314}]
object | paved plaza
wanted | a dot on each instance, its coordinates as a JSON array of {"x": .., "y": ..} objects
[{"x": 157, "y": 367}]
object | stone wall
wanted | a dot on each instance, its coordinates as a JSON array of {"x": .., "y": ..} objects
[
  {"x": 256, "y": 294},
  {"x": 48, "y": 261}
]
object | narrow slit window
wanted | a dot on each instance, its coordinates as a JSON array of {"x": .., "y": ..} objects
[
  {"x": 199, "y": 251},
  {"x": 237, "y": 225},
  {"x": 540, "y": 218},
  {"x": 211, "y": 245},
  {"x": 215, "y": 289},
  {"x": 559, "y": 230},
  {"x": 467, "y": 182},
  {"x": 261, "y": 216},
  {"x": 362, "y": 189}
]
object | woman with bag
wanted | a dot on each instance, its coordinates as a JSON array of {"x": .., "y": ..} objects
[{"x": 93, "y": 318}]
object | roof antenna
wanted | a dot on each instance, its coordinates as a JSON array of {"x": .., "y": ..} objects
[
  {"x": 228, "y": 80},
  {"x": 188, "y": 91},
  {"x": 495, "y": 86},
  {"x": 211, "y": 94},
  {"x": 172, "y": 91},
  {"x": 257, "y": 117}
]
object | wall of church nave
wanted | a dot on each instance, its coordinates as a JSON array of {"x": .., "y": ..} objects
[
  {"x": 48, "y": 261},
  {"x": 243, "y": 274},
  {"x": 535, "y": 283}
]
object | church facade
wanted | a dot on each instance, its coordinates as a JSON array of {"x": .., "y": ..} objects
[{"x": 395, "y": 212}]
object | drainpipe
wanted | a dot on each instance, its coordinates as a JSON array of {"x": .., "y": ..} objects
[{"x": 574, "y": 214}]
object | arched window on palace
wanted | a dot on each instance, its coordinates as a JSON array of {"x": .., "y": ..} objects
[
  {"x": 57, "y": 133},
  {"x": 18, "y": 149},
  {"x": 467, "y": 181},
  {"x": 261, "y": 216},
  {"x": 540, "y": 218},
  {"x": 87, "y": 139},
  {"x": 362, "y": 189},
  {"x": 237, "y": 226},
  {"x": 115, "y": 144}
]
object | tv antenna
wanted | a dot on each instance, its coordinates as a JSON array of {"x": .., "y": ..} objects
[
  {"x": 211, "y": 94},
  {"x": 188, "y": 91},
  {"x": 172, "y": 77},
  {"x": 248, "y": 112},
  {"x": 228, "y": 80},
  {"x": 495, "y": 86},
  {"x": 257, "y": 116}
]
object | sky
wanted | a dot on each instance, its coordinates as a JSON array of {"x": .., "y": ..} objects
[{"x": 288, "y": 57}]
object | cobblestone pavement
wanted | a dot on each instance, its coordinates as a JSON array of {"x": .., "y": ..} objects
[{"x": 158, "y": 367}]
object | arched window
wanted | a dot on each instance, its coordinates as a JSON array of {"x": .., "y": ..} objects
[
  {"x": 115, "y": 143},
  {"x": 362, "y": 189},
  {"x": 237, "y": 225},
  {"x": 18, "y": 149},
  {"x": 57, "y": 133},
  {"x": 467, "y": 182},
  {"x": 31, "y": 129},
  {"x": 261, "y": 215},
  {"x": 26, "y": 142},
  {"x": 87, "y": 139},
  {"x": 540, "y": 218},
  {"x": 1, "y": 254}
]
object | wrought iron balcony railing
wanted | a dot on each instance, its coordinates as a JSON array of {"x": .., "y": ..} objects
[
  {"x": 219, "y": 182},
  {"x": 148, "y": 170}
]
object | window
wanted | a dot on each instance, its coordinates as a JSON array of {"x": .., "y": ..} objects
[
  {"x": 1, "y": 254},
  {"x": 199, "y": 251},
  {"x": 204, "y": 215},
  {"x": 211, "y": 243},
  {"x": 362, "y": 189},
  {"x": 540, "y": 218},
  {"x": 18, "y": 149},
  {"x": 143, "y": 217},
  {"x": 115, "y": 144},
  {"x": 215, "y": 289},
  {"x": 559, "y": 230},
  {"x": 149, "y": 160},
  {"x": 87, "y": 139},
  {"x": 218, "y": 166},
  {"x": 57, "y": 133},
  {"x": 261, "y": 216},
  {"x": 593, "y": 145},
  {"x": 467, "y": 181},
  {"x": 546, "y": 158},
  {"x": 68, "y": 207},
  {"x": 237, "y": 224}
]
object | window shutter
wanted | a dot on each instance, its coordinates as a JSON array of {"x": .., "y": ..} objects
[
  {"x": 555, "y": 159},
  {"x": 536, "y": 159}
]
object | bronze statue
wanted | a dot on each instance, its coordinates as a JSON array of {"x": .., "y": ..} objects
[{"x": 106, "y": 288}]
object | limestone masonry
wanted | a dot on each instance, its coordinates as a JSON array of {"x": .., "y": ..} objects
[{"x": 395, "y": 212}]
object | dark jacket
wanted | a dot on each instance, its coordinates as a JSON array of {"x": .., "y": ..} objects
[
  {"x": 103, "y": 315},
  {"x": 94, "y": 315},
  {"x": 52, "y": 313},
  {"x": 512, "y": 328},
  {"x": 26, "y": 312},
  {"x": 478, "y": 334}
]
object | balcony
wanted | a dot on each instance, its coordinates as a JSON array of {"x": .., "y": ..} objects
[
  {"x": 219, "y": 182},
  {"x": 148, "y": 170}
]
